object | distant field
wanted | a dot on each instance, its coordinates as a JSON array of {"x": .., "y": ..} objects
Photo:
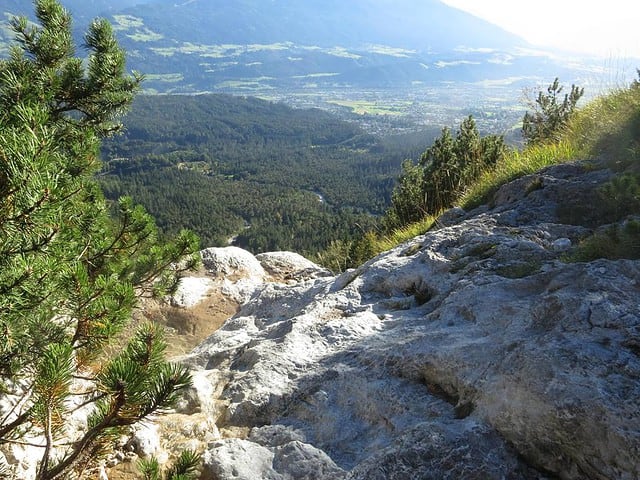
[
  {"x": 145, "y": 35},
  {"x": 248, "y": 84},
  {"x": 165, "y": 77},
  {"x": 362, "y": 107},
  {"x": 123, "y": 22}
]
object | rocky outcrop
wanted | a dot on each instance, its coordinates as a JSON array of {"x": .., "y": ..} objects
[
  {"x": 475, "y": 351},
  {"x": 228, "y": 277}
]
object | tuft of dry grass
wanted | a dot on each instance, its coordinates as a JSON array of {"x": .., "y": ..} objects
[{"x": 517, "y": 164}]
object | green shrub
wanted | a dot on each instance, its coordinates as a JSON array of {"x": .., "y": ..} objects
[
  {"x": 614, "y": 243},
  {"x": 621, "y": 195},
  {"x": 407, "y": 199},
  {"x": 452, "y": 164},
  {"x": 444, "y": 171}
]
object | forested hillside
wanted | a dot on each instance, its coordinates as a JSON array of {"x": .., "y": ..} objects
[{"x": 272, "y": 176}]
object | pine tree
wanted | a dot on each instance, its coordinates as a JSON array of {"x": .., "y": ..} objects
[
  {"x": 550, "y": 114},
  {"x": 71, "y": 271},
  {"x": 407, "y": 199},
  {"x": 452, "y": 164},
  {"x": 449, "y": 166}
]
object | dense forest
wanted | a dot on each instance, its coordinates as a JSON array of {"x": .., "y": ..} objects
[{"x": 268, "y": 176}]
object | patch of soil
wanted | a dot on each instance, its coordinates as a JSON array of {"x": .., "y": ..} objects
[{"x": 188, "y": 327}]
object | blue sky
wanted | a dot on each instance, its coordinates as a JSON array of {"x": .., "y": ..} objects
[{"x": 608, "y": 29}]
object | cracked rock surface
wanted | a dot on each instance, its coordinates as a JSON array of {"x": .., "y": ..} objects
[{"x": 473, "y": 351}]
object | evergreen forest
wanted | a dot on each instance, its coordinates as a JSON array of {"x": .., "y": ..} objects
[{"x": 260, "y": 174}]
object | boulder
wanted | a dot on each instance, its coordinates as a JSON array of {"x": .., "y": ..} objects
[
  {"x": 246, "y": 460},
  {"x": 191, "y": 291},
  {"x": 146, "y": 440},
  {"x": 199, "y": 396},
  {"x": 231, "y": 262},
  {"x": 291, "y": 266},
  {"x": 238, "y": 459}
]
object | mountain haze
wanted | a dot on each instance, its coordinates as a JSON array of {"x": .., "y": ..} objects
[
  {"x": 261, "y": 46},
  {"x": 420, "y": 25}
]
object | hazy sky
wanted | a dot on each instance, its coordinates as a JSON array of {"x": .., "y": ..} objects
[{"x": 608, "y": 28}]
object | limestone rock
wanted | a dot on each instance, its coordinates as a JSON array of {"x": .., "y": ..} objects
[
  {"x": 246, "y": 460},
  {"x": 305, "y": 462},
  {"x": 239, "y": 459},
  {"x": 146, "y": 440},
  {"x": 231, "y": 262},
  {"x": 191, "y": 291},
  {"x": 290, "y": 266},
  {"x": 199, "y": 397},
  {"x": 474, "y": 351},
  {"x": 435, "y": 452},
  {"x": 22, "y": 460}
]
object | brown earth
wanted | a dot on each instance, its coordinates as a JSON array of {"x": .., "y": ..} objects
[{"x": 187, "y": 328}]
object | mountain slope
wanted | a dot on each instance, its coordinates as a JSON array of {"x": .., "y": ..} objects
[
  {"x": 421, "y": 25},
  {"x": 475, "y": 351},
  {"x": 82, "y": 10},
  {"x": 281, "y": 45},
  {"x": 299, "y": 177}
]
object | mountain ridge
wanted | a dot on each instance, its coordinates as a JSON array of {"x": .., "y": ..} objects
[
  {"x": 397, "y": 24},
  {"x": 257, "y": 47}
]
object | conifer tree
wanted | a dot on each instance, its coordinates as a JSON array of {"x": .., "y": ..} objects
[
  {"x": 451, "y": 164},
  {"x": 407, "y": 198},
  {"x": 446, "y": 168},
  {"x": 70, "y": 271},
  {"x": 551, "y": 112}
]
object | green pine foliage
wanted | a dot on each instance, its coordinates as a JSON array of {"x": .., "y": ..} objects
[
  {"x": 444, "y": 172},
  {"x": 613, "y": 242},
  {"x": 550, "y": 114},
  {"x": 70, "y": 272},
  {"x": 407, "y": 200},
  {"x": 184, "y": 468}
]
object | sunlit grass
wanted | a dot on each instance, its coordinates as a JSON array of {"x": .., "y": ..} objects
[
  {"x": 517, "y": 164},
  {"x": 401, "y": 235},
  {"x": 609, "y": 127}
]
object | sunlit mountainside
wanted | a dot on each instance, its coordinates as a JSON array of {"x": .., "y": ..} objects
[{"x": 270, "y": 47}]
